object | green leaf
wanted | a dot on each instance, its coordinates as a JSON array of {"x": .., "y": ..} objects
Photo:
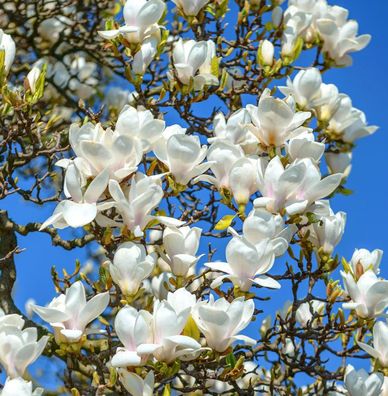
[
  {"x": 231, "y": 360},
  {"x": 225, "y": 222}
]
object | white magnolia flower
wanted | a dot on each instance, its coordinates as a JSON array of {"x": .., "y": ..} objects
[
  {"x": 168, "y": 344},
  {"x": 19, "y": 387},
  {"x": 379, "y": 350},
  {"x": 82, "y": 209},
  {"x": 293, "y": 188},
  {"x": 339, "y": 163},
  {"x": 369, "y": 294},
  {"x": 144, "y": 194},
  {"x": 141, "y": 21},
  {"x": 261, "y": 224},
  {"x": 305, "y": 146},
  {"x": 306, "y": 311},
  {"x": 348, "y": 122},
  {"x": 131, "y": 266},
  {"x": 181, "y": 246},
  {"x": 183, "y": 155},
  {"x": 304, "y": 14},
  {"x": 18, "y": 348},
  {"x": 360, "y": 383},
  {"x": 244, "y": 179},
  {"x": 340, "y": 36},
  {"x": 70, "y": 313},
  {"x": 136, "y": 385},
  {"x": 364, "y": 260},
  {"x": 140, "y": 125},
  {"x": 274, "y": 121},
  {"x": 8, "y": 46},
  {"x": 181, "y": 300},
  {"x": 193, "y": 60},
  {"x": 327, "y": 232},
  {"x": 235, "y": 130},
  {"x": 310, "y": 93},
  {"x": 247, "y": 263},
  {"x": 191, "y": 7},
  {"x": 222, "y": 155},
  {"x": 133, "y": 328},
  {"x": 98, "y": 149},
  {"x": 221, "y": 321},
  {"x": 145, "y": 55}
]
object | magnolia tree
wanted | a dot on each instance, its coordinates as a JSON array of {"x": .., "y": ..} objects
[{"x": 190, "y": 227}]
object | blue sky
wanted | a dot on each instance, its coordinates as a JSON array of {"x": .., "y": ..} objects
[{"x": 365, "y": 82}]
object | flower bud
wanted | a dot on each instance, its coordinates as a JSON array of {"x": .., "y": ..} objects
[{"x": 266, "y": 53}]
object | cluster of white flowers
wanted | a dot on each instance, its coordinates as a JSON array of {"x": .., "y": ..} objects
[
  {"x": 18, "y": 349},
  {"x": 311, "y": 20},
  {"x": 268, "y": 158}
]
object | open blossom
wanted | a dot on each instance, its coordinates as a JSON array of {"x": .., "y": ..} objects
[
  {"x": 364, "y": 260},
  {"x": 130, "y": 267},
  {"x": 18, "y": 386},
  {"x": 136, "y": 385},
  {"x": 191, "y": 7},
  {"x": 310, "y": 93},
  {"x": 261, "y": 224},
  {"x": 70, "y": 313},
  {"x": 181, "y": 245},
  {"x": 369, "y": 294},
  {"x": 274, "y": 121},
  {"x": 247, "y": 263},
  {"x": 313, "y": 19},
  {"x": 379, "y": 350},
  {"x": 340, "y": 36},
  {"x": 168, "y": 344},
  {"x": 305, "y": 146},
  {"x": 135, "y": 207},
  {"x": 222, "y": 155},
  {"x": 183, "y": 155},
  {"x": 221, "y": 321},
  {"x": 349, "y": 123},
  {"x": 360, "y": 383},
  {"x": 327, "y": 233},
  {"x": 82, "y": 208},
  {"x": 141, "y": 125},
  {"x": 98, "y": 149},
  {"x": 18, "y": 348},
  {"x": 235, "y": 130},
  {"x": 141, "y": 21},
  {"x": 293, "y": 188},
  {"x": 133, "y": 328},
  {"x": 193, "y": 60},
  {"x": 306, "y": 311},
  {"x": 8, "y": 46}
]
